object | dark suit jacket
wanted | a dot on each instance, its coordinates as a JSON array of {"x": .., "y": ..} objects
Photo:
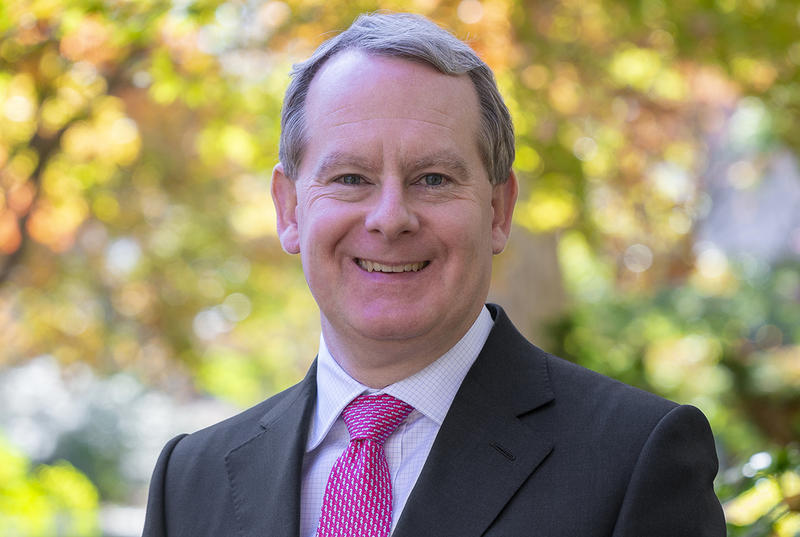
[{"x": 532, "y": 445}]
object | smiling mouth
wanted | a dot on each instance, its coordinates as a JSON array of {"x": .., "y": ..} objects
[{"x": 374, "y": 266}]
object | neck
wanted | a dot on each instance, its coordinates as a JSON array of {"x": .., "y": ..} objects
[{"x": 379, "y": 363}]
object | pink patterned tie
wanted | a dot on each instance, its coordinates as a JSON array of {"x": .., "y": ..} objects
[{"x": 358, "y": 497}]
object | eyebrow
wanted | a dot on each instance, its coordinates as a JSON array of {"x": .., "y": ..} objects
[
  {"x": 341, "y": 159},
  {"x": 441, "y": 159}
]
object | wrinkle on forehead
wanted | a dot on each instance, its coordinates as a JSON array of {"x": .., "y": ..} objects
[{"x": 387, "y": 118}]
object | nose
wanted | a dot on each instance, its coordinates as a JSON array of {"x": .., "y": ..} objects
[{"x": 391, "y": 213}]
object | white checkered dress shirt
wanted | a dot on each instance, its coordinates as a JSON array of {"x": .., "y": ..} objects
[{"x": 430, "y": 392}]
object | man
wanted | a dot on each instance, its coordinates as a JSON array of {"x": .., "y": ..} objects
[{"x": 395, "y": 187}]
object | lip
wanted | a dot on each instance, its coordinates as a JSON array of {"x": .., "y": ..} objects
[{"x": 385, "y": 267}]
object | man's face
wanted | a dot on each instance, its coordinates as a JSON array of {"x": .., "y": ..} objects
[{"x": 392, "y": 211}]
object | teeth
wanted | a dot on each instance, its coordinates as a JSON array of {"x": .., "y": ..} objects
[{"x": 372, "y": 266}]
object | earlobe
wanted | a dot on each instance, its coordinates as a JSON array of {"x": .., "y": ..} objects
[
  {"x": 504, "y": 197},
  {"x": 284, "y": 196}
]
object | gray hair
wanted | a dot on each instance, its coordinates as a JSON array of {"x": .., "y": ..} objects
[{"x": 414, "y": 38}]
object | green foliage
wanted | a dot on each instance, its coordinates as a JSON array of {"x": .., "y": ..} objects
[
  {"x": 47, "y": 500},
  {"x": 732, "y": 353}
]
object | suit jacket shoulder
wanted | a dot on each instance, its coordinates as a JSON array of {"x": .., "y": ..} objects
[
  {"x": 224, "y": 436},
  {"x": 238, "y": 477},
  {"x": 536, "y": 445}
]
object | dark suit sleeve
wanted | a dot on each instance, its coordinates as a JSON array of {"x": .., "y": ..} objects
[
  {"x": 671, "y": 492},
  {"x": 155, "y": 524}
]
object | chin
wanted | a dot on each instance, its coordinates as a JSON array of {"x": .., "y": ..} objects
[{"x": 390, "y": 328}]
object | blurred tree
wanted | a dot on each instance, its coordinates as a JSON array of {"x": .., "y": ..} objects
[
  {"x": 138, "y": 225},
  {"x": 137, "y": 139}
]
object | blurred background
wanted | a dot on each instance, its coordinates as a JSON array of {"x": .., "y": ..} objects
[{"x": 143, "y": 291}]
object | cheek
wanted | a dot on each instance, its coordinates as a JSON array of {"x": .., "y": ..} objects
[
  {"x": 467, "y": 228},
  {"x": 323, "y": 226}
]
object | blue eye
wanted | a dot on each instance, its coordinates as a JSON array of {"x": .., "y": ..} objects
[
  {"x": 350, "y": 179},
  {"x": 433, "y": 179}
]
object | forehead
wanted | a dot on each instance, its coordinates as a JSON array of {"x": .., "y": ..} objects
[
  {"x": 353, "y": 73},
  {"x": 355, "y": 94}
]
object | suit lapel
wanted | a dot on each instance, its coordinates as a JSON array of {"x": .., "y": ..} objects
[
  {"x": 483, "y": 452},
  {"x": 265, "y": 471}
]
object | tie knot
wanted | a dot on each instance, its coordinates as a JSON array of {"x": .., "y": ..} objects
[{"x": 374, "y": 417}]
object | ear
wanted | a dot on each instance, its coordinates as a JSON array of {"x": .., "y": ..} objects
[
  {"x": 504, "y": 197},
  {"x": 284, "y": 196}
]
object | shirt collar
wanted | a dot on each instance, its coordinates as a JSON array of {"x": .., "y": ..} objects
[{"x": 430, "y": 391}]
